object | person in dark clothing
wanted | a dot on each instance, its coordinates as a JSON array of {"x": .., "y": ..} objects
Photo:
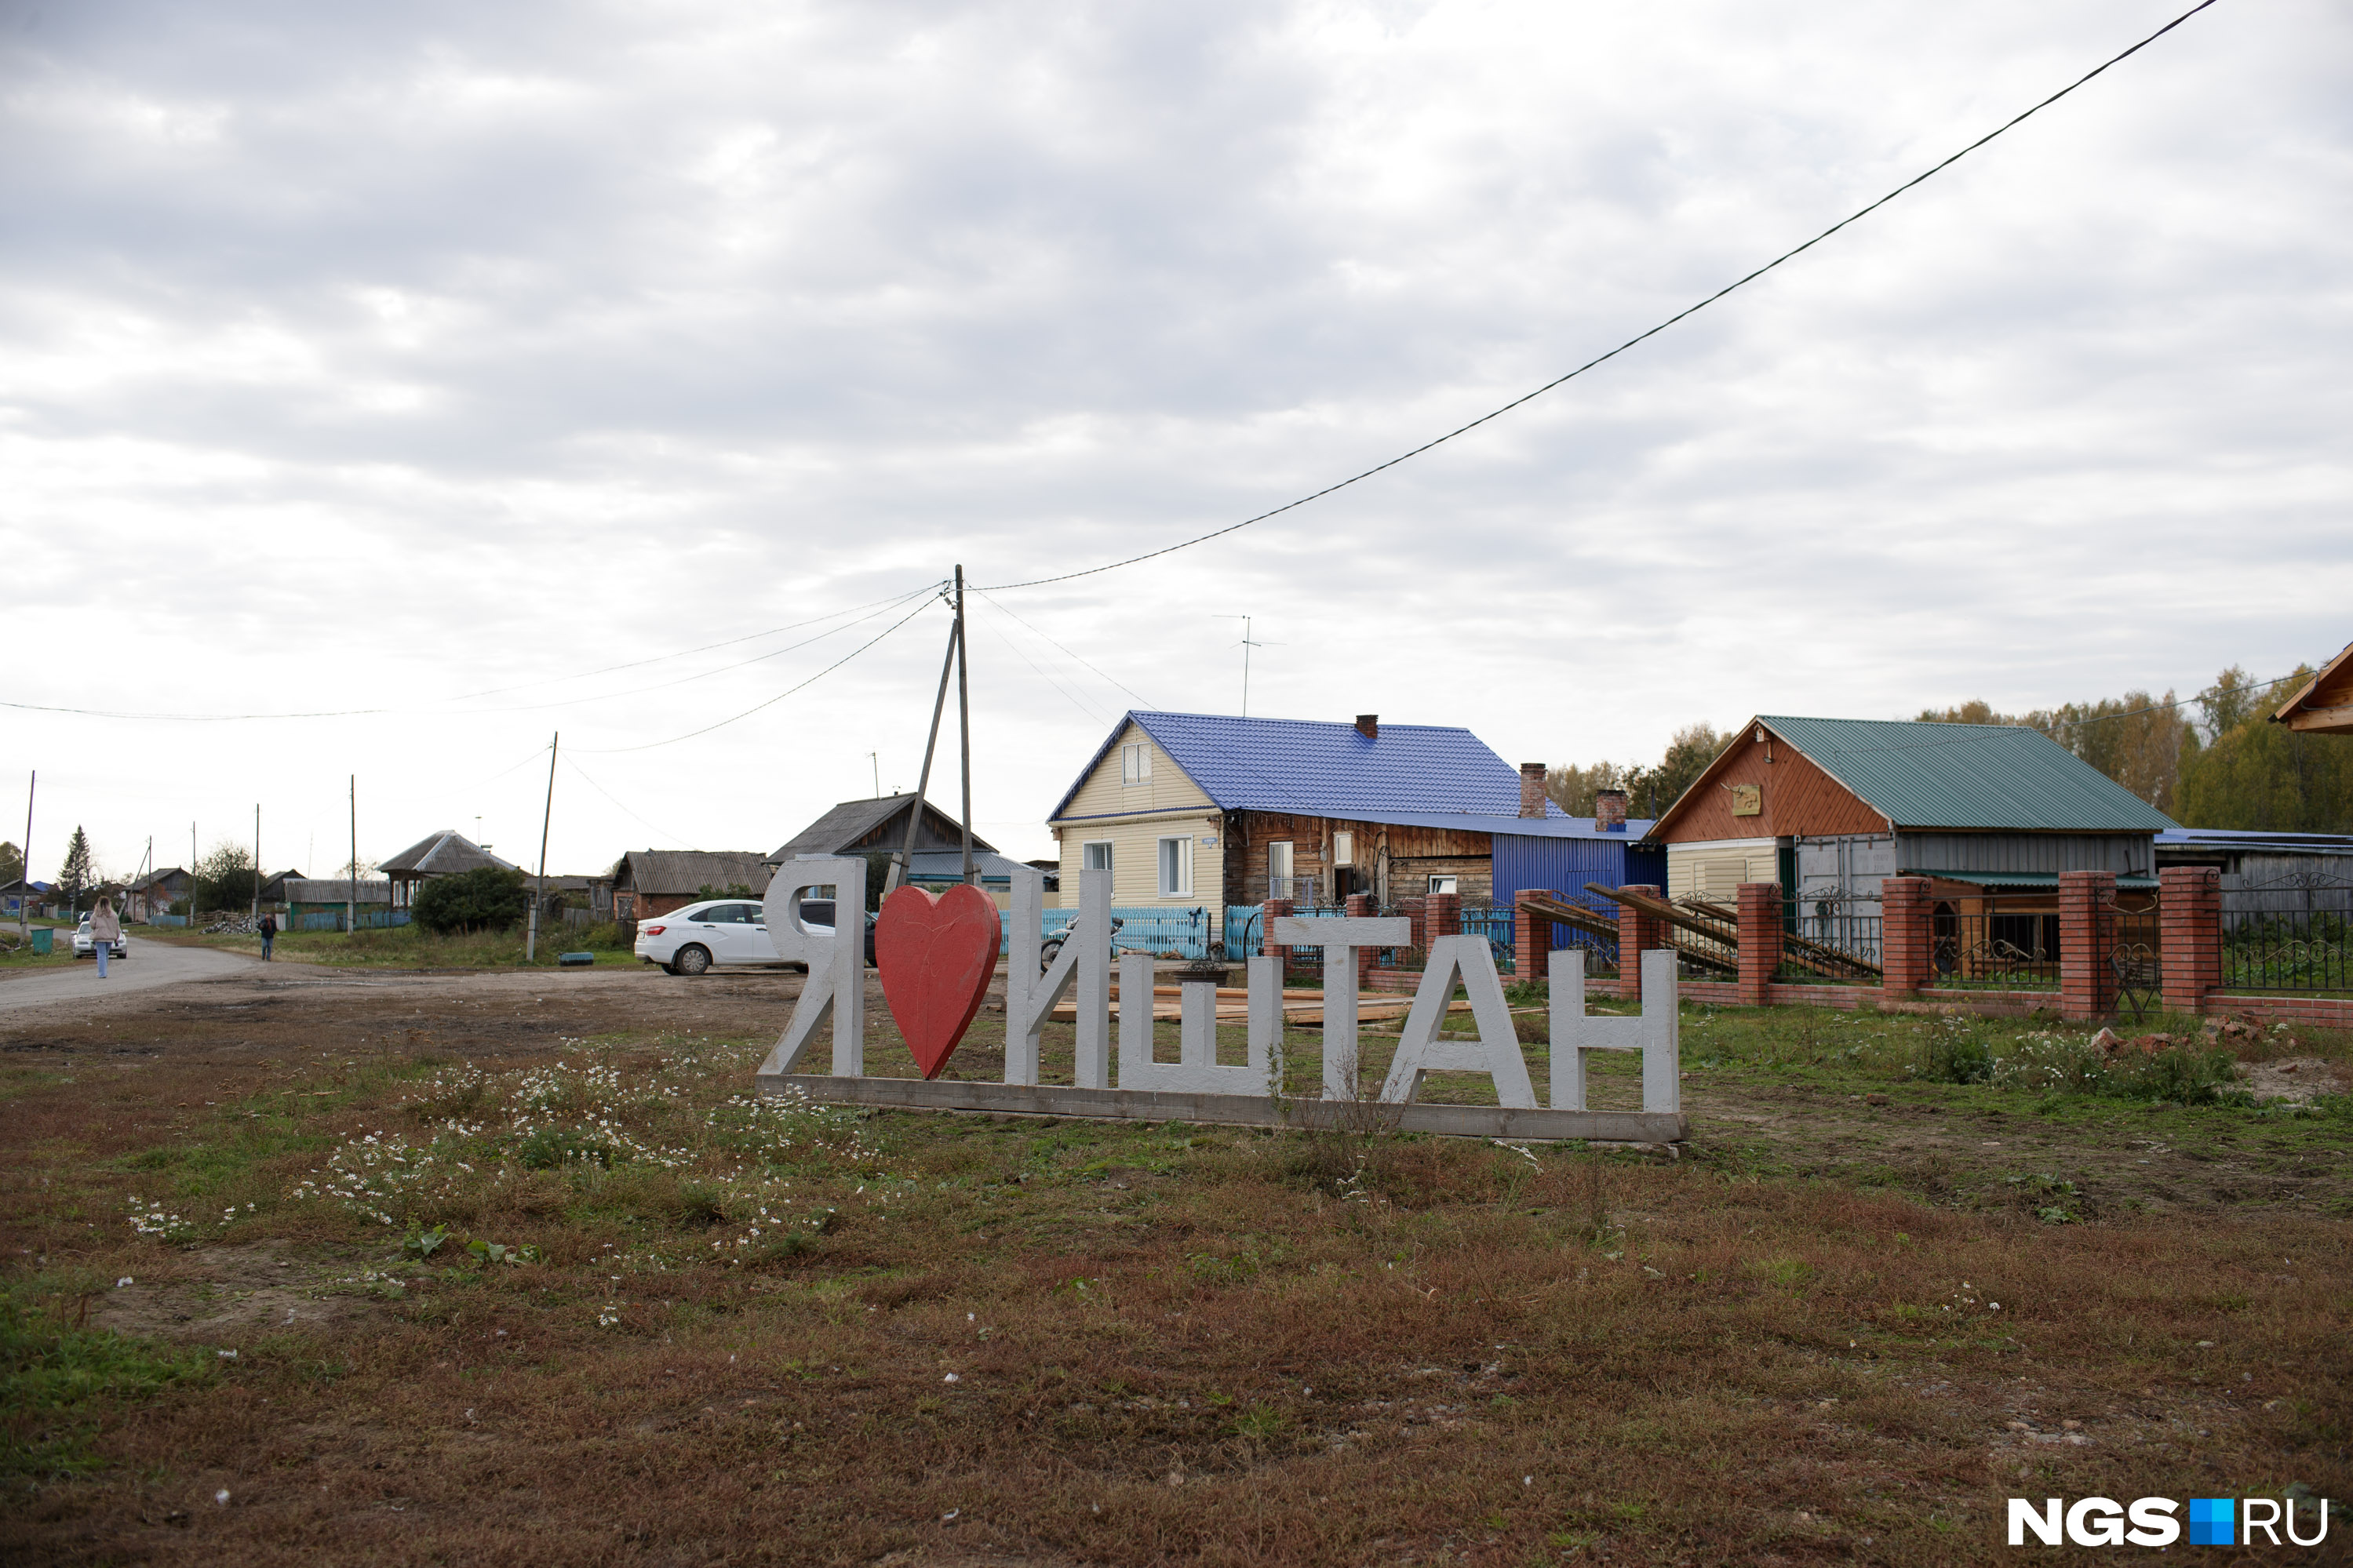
[{"x": 269, "y": 929}]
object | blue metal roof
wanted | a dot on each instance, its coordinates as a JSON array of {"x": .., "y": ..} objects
[
  {"x": 1329, "y": 769},
  {"x": 1519, "y": 827}
]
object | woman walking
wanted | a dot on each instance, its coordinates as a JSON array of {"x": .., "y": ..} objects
[{"x": 105, "y": 930}]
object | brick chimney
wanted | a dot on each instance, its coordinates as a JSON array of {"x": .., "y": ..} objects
[
  {"x": 1368, "y": 725},
  {"x": 1610, "y": 810},
  {"x": 1531, "y": 791}
]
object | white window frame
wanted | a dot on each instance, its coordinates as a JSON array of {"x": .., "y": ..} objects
[
  {"x": 1437, "y": 877},
  {"x": 1087, "y": 854},
  {"x": 1136, "y": 762},
  {"x": 1344, "y": 848},
  {"x": 1282, "y": 863},
  {"x": 1184, "y": 857}
]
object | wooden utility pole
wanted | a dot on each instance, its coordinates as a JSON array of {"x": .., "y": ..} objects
[
  {"x": 899, "y": 862},
  {"x": 25, "y": 874},
  {"x": 351, "y": 888},
  {"x": 963, "y": 718},
  {"x": 256, "y": 916},
  {"x": 539, "y": 891}
]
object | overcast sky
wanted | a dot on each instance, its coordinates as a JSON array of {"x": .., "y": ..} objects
[{"x": 379, "y": 358}]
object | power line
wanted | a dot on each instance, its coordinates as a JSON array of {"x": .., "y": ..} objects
[
  {"x": 1081, "y": 657},
  {"x": 1630, "y": 343},
  {"x": 779, "y": 697},
  {"x": 609, "y": 795},
  {"x": 886, "y": 605}
]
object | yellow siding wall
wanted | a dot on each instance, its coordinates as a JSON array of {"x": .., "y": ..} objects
[
  {"x": 1175, "y": 804},
  {"x": 1714, "y": 868}
]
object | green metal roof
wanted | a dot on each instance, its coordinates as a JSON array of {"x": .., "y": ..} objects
[
  {"x": 1969, "y": 776},
  {"x": 2048, "y": 880}
]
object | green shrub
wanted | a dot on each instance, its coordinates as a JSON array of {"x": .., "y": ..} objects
[
  {"x": 1958, "y": 1053},
  {"x": 487, "y": 897}
]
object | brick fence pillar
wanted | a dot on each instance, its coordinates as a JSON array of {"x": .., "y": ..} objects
[
  {"x": 1359, "y": 905},
  {"x": 1268, "y": 912},
  {"x": 1441, "y": 915},
  {"x": 1416, "y": 911},
  {"x": 1531, "y": 936},
  {"x": 1908, "y": 935},
  {"x": 2087, "y": 938},
  {"x": 1637, "y": 934},
  {"x": 2189, "y": 914},
  {"x": 1760, "y": 939}
]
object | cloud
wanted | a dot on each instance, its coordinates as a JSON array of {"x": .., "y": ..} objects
[{"x": 365, "y": 360}]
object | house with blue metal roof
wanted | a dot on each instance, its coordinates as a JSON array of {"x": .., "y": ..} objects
[{"x": 1219, "y": 811}]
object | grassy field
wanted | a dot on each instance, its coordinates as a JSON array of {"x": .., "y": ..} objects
[
  {"x": 414, "y": 947},
  {"x": 591, "y": 1302}
]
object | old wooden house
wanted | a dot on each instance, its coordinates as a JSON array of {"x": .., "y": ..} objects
[
  {"x": 442, "y": 853},
  {"x": 649, "y": 882},
  {"x": 879, "y": 826}
]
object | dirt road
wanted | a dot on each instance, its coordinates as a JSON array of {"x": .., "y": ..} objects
[{"x": 150, "y": 964}]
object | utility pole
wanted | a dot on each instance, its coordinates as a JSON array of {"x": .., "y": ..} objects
[
  {"x": 963, "y": 718},
  {"x": 192, "y": 876},
  {"x": 899, "y": 862},
  {"x": 876, "y": 758},
  {"x": 539, "y": 891},
  {"x": 351, "y": 888},
  {"x": 25, "y": 875},
  {"x": 257, "y": 863}
]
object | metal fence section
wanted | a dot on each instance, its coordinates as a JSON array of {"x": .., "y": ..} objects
[
  {"x": 1835, "y": 923},
  {"x": 369, "y": 920},
  {"x": 2292, "y": 933},
  {"x": 1148, "y": 928},
  {"x": 1242, "y": 935},
  {"x": 1993, "y": 949}
]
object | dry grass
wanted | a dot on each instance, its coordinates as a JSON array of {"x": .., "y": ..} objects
[{"x": 961, "y": 1340}]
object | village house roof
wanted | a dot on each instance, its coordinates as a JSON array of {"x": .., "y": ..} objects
[
  {"x": 2323, "y": 705},
  {"x": 846, "y": 827},
  {"x": 1964, "y": 777},
  {"x": 162, "y": 878},
  {"x": 683, "y": 873},
  {"x": 442, "y": 853},
  {"x": 1312, "y": 768}
]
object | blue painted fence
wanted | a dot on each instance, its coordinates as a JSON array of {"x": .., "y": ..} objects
[
  {"x": 370, "y": 920},
  {"x": 1147, "y": 928}
]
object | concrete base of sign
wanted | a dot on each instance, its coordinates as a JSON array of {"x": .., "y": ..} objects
[{"x": 1230, "y": 1110}]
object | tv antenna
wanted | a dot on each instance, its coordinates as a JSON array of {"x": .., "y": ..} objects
[{"x": 1246, "y": 644}]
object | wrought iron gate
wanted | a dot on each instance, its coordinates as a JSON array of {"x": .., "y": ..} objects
[{"x": 2136, "y": 958}]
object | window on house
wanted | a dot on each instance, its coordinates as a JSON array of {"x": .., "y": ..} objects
[
  {"x": 1136, "y": 762},
  {"x": 1344, "y": 848},
  {"x": 1442, "y": 885},
  {"x": 1097, "y": 856},
  {"x": 1177, "y": 867},
  {"x": 1278, "y": 861}
]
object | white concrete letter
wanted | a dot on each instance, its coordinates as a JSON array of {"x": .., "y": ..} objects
[
  {"x": 1340, "y": 937},
  {"x": 1495, "y": 1052},
  {"x": 1657, "y": 1034},
  {"x": 1031, "y": 997},
  {"x": 1195, "y": 1070},
  {"x": 836, "y": 986}
]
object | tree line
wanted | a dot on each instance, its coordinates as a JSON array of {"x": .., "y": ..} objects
[{"x": 2214, "y": 759}]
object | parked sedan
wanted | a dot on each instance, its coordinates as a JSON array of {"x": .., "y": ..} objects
[
  {"x": 86, "y": 946},
  {"x": 727, "y": 933}
]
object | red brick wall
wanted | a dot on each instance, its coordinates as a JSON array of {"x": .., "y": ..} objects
[
  {"x": 1531, "y": 937},
  {"x": 2087, "y": 938},
  {"x": 1637, "y": 934},
  {"x": 2189, "y": 914},
  {"x": 1908, "y": 935},
  {"x": 1760, "y": 939}
]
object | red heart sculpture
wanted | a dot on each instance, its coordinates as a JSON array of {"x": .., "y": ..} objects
[{"x": 936, "y": 955}]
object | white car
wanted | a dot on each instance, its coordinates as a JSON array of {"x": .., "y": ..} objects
[
  {"x": 722, "y": 933},
  {"x": 86, "y": 945}
]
